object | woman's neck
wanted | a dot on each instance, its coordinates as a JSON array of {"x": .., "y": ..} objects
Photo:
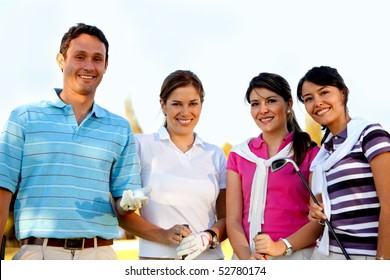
[
  {"x": 273, "y": 141},
  {"x": 183, "y": 142},
  {"x": 340, "y": 125}
]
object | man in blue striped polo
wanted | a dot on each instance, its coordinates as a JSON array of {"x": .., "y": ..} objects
[{"x": 69, "y": 161}]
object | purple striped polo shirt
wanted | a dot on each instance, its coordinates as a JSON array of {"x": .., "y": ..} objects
[{"x": 354, "y": 201}]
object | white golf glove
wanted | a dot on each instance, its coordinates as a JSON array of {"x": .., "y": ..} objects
[
  {"x": 135, "y": 199},
  {"x": 193, "y": 245}
]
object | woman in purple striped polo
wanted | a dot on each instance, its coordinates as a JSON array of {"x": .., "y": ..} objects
[{"x": 350, "y": 173}]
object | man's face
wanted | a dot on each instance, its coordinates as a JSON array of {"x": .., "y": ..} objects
[{"x": 84, "y": 65}]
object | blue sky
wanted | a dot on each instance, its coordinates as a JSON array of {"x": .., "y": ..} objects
[{"x": 224, "y": 42}]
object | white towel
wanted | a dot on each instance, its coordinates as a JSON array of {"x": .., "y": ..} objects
[
  {"x": 324, "y": 162},
  {"x": 259, "y": 185}
]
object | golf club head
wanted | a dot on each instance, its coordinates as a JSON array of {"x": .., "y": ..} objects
[{"x": 280, "y": 163}]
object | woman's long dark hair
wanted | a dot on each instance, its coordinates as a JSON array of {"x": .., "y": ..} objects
[{"x": 302, "y": 141}]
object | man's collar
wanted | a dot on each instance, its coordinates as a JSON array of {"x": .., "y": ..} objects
[{"x": 57, "y": 102}]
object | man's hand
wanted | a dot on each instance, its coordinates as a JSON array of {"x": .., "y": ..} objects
[
  {"x": 193, "y": 245},
  {"x": 133, "y": 200}
]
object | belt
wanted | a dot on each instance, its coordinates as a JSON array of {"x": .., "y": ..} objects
[{"x": 70, "y": 243}]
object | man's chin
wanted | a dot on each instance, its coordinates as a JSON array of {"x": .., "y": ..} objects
[{"x": 87, "y": 90}]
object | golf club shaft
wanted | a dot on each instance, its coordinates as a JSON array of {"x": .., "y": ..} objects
[{"x": 326, "y": 220}]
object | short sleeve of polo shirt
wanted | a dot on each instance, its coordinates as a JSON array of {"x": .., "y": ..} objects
[{"x": 375, "y": 140}]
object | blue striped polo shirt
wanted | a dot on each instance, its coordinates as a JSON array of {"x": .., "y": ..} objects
[
  {"x": 354, "y": 201},
  {"x": 65, "y": 173}
]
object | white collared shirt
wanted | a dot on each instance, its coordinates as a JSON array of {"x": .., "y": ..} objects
[{"x": 185, "y": 187}]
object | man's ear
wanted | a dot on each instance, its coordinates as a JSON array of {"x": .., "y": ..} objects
[
  {"x": 105, "y": 66},
  {"x": 60, "y": 61}
]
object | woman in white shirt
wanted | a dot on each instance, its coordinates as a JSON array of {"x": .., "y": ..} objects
[{"x": 187, "y": 177}]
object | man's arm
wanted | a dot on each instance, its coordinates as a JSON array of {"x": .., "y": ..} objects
[
  {"x": 5, "y": 200},
  {"x": 119, "y": 210}
]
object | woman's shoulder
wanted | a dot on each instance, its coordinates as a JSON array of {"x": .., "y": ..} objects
[
  {"x": 310, "y": 155},
  {"x": 146, "y": 139},
  {"x": 374, "y": 134},
  {"x": 314, "y": 149},
  {"x": 374, "y": 141},
  {"x": 212, "y": 147},
  {"x": 143, "y": 136},
  {"x": 375, "y": 128}
]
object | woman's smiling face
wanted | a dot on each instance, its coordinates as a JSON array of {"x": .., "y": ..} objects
[
  {"x": 182, "y": 110},
  {"x": 325, "y": 104},
  {"x": 269, "y": 110}
]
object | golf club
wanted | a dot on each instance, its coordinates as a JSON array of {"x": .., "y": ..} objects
[{"x": 279, "y": 164}]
